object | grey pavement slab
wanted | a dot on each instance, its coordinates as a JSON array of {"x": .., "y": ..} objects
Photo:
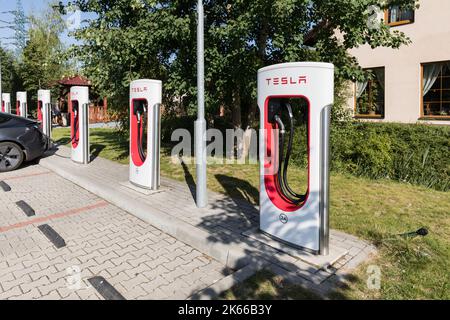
[{"x": 102, "y": 240}]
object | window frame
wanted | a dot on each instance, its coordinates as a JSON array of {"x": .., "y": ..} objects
[
  {"x": 397, "y": 23},
  {"x": 423, "y": 116},
  {"x": 370, "y": 116}
]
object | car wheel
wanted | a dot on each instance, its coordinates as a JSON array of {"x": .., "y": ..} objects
[{"x": 11, "y": 156}]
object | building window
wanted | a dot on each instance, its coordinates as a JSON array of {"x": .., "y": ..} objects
[
  {"x": 369, "y": 95},
  {"x": 395, "y": 16},
  {"x": 436, "y": 90}
]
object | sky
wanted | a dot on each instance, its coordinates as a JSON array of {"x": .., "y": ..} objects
[{"x": 30, "y": 7}]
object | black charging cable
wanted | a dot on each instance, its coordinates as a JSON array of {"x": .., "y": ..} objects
[
  {"x": 299, "y": 197},
  {"x": 283, "y": 163},
  {"x": 140, "y": 121},
  {"x": 75, "y": 127}
]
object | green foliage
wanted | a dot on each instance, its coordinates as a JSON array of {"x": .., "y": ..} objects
[
  {"x": 10, "y": 79},
  {"x": 170, "y": 124},
  {"x": 416, "y": 154},
  {"x": 42, "y": 65},
  {"x": 340, "y": 112},
  {"x": 156, "y": 39}
]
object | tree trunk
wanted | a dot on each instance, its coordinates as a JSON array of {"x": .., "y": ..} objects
[
  {"x": 237, "y": 116},
  {"x": 262, "y": 41},
  {"x": 252, "y": 114}
]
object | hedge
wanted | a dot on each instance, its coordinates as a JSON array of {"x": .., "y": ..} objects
[{"x": 413, "y": 153}]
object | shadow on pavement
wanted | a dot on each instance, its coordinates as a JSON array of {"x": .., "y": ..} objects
[
  {"x": 266, "y": 285},
  {"x": 96, "y": 149},
  {"x": 238, "y": 189},
  {"x": 189, "y": 180}
]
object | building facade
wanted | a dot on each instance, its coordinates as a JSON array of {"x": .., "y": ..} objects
[{"x": 410, "y": 84}]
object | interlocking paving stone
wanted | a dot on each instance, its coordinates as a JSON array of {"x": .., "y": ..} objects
[{"x": 101, "y": 241}]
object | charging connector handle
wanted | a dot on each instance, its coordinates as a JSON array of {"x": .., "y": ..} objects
[
  {"x": 140, "y": 112},
  {"x": 75, "y": 125},
  {"x": 280, "y": 124},
  {"x": 285, "y": 190}
]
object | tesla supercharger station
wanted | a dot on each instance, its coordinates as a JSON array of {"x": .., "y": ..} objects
[
  {"x": 21, "y": 104},
  {"x": 6, "y": 102},
  {"x": 145, "y": 133},
  {"x": 297, "y": 219},
  {"x": 79, "y": 124},
  {"x": 44, "y": 112}
]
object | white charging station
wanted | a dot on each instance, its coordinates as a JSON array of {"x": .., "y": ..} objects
[
  {"x": 44, "y": 112},
  {"x": 79, "y": 124},
  {"x": 6, "y": 102},
  {"x": 21, "y": 104},
  {"x": 303, "y": 223},
  {"x": 145, "y": 133}
]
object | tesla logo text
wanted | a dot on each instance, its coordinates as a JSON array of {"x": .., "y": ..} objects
[
  {"x": 285, "y": 81},
  {"x": 138, "y": 90}
]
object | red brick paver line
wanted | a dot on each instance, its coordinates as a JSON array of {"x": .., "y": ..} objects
[
  {"x": 27, "y": 176},
  {"x": 54, "y": 216}
]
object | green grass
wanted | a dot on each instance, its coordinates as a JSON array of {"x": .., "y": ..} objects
[
  {"x": 266, "y": 286},
  {"x": 375, "y": 210}
]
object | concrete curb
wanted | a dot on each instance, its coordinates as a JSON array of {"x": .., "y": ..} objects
[{"x": 231, "y": 257}]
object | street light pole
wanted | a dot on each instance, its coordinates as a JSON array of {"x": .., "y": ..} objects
[{"x": 200, "y": 124}]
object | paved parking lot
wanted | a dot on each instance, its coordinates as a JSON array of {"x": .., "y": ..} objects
[{"x": 138, "y": 260}]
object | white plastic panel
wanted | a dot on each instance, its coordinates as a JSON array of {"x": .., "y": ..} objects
[
  {"x": 21, "y": 104},
  {"x": 313, "y": 82},
  {"x": 146, "y": 174},
  {"x": 45, "y": 100},
  {"x": 6, "y": 102},
  {"x": 81, "y": 149}
]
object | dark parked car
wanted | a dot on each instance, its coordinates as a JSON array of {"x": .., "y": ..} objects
[{"x": 20, "y": 140}]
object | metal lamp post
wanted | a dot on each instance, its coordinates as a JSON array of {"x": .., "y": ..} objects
[{"x": 200, "y": 124}]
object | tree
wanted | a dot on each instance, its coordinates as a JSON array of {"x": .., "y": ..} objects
[
  {"x": 156, "y": 39},
  {"x": 42, "y": 65},
  {"x": 10, "y": 79}
]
